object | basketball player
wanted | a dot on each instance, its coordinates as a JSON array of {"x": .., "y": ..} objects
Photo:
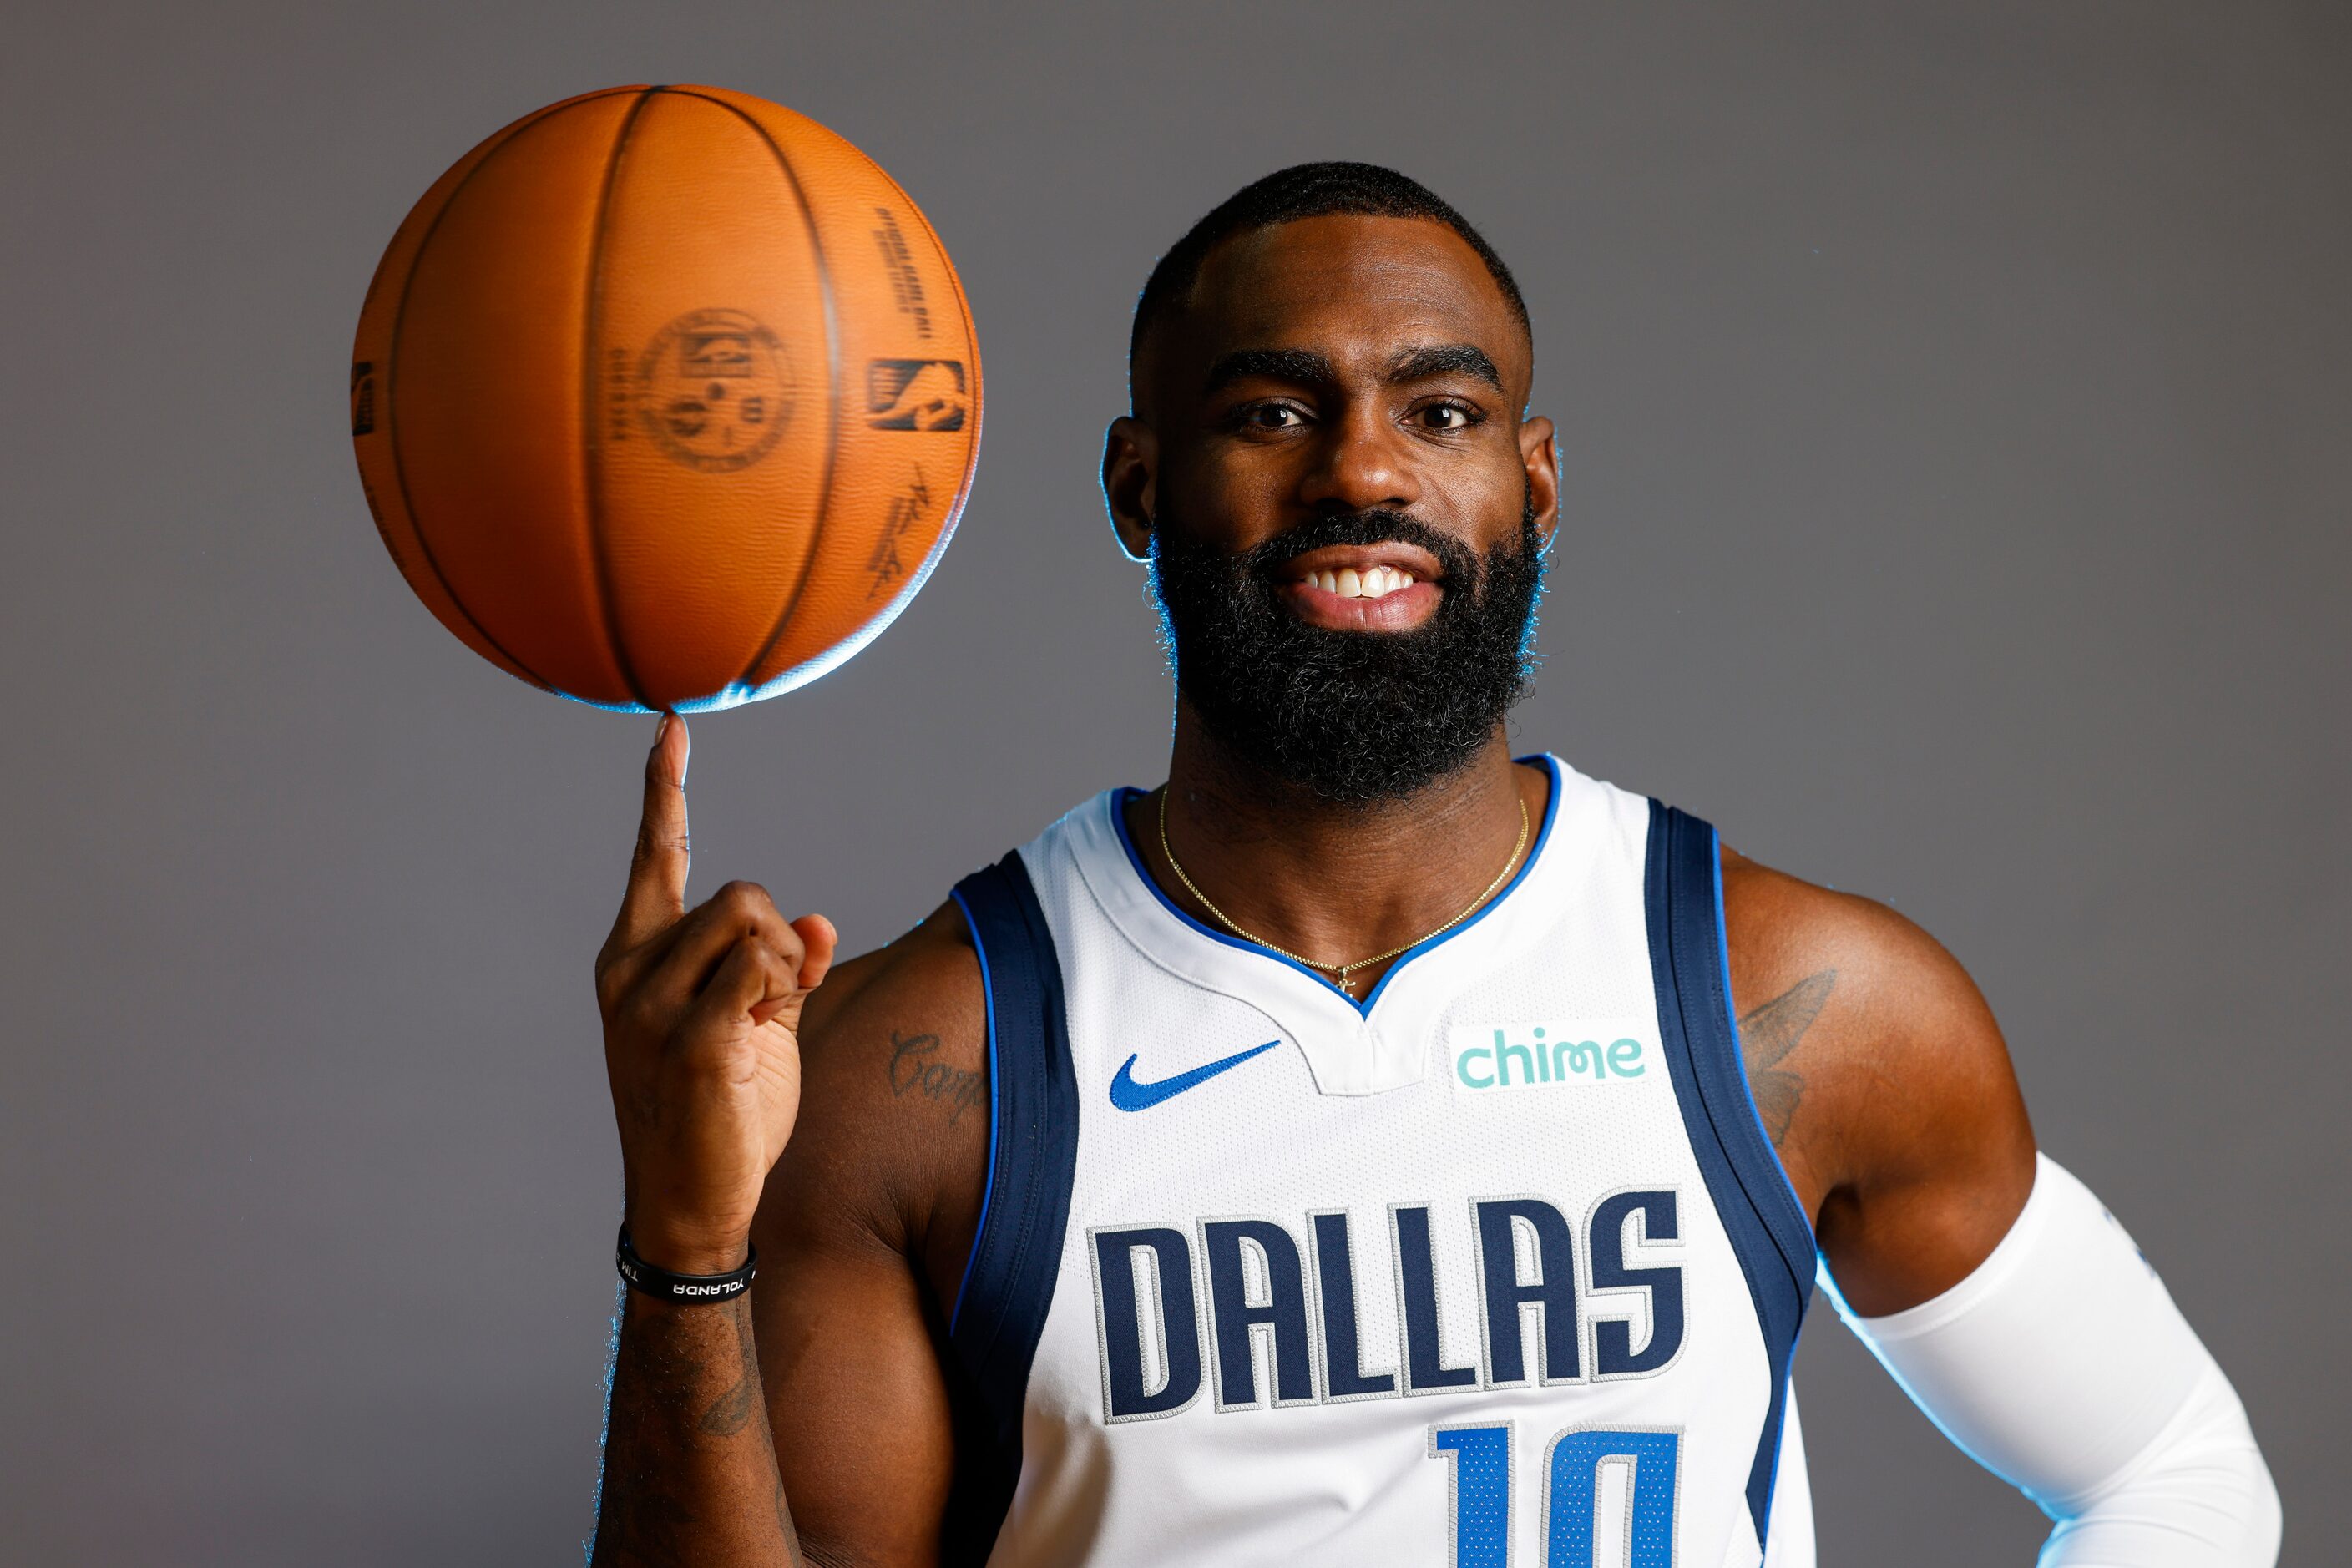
[{"x": 1367, "y": 1148}]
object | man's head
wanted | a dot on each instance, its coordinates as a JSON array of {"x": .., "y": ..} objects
[{"x": 1328, "y": 377}]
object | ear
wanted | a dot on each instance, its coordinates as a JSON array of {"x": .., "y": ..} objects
[
  {"x": 1540, "y": 454},
  {"x": 1130, "y": 482}
]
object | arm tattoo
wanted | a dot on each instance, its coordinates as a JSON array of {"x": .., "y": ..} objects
[
  {"x": 1768, "y": 1035},
  {"x": 913, "y": 1070},
  {"x": 649, "y": 1513},
  {"x": 725, "y": 1416}
]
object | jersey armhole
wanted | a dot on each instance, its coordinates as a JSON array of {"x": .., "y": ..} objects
[
  {"x": 1689, "y": 966},
  {"x": 1016, "y": 1249}
]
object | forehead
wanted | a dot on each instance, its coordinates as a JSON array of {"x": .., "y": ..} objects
[{"x": 1348, "y": 285}]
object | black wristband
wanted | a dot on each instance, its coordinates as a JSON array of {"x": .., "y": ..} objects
[{"x": 660, "y": 1283}]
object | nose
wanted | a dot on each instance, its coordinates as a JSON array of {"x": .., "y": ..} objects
[{"x": 1361, "y": 464}]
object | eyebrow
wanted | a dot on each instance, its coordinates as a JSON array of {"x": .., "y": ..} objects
[
  {"x": 1445, "y": 359},
  {"x": 1307, "y": 366},
  {"x": 1274, "y": 364}
]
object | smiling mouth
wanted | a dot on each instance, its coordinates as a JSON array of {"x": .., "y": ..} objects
[
  {"x": 1386, "y": 587},
  {"x": 1372, "y": 583}
]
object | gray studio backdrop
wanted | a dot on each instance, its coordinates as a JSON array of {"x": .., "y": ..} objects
[{"x": 1954, "y": 414}]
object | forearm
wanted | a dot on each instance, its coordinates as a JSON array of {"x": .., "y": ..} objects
[
  {"x": 690, "y": 1465},
  {"x": 2200, "y": 1494},
  {"x": 2062, "y": 1366}
]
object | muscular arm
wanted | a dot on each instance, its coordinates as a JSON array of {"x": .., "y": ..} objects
[
  {"x": 2009, "y": 1305},
  {"x": 869, "y": 1215},
  {"x": 821, "y": 1383},
  {"x": 1883, "y": 1080},
  {"x": 838, "y": 1122},
  {"x": 689, "y": 1470}
]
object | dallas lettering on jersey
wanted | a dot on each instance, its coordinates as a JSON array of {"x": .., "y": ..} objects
[{"x": 1283, "y": 1320}]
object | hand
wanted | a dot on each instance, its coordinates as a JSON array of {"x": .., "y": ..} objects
[{"x": 700, "y": 1012}]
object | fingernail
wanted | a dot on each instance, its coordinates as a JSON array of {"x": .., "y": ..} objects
[{"x": 661, "y": 730}]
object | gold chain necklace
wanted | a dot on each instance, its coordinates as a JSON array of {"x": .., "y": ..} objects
[{"x": 1340, "y": 972}]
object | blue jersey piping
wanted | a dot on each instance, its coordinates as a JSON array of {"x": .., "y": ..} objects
[
  {"x": 1731, "y": 1015},
  {"x": 1770, "y": 1233},
  {"x": 1364, "y": 1007},
  {"x": 988, "y": 1189},
  {"x": 1009, "y": 1277}
]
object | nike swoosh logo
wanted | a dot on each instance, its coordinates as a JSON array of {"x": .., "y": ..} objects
[{"x": 1129, "y": 1095}]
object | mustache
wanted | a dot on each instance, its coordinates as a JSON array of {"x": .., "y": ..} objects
[{"x": 1374, "y": 525}]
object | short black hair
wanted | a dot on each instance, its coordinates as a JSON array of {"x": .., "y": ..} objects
[{"x": 1301, "y": 191}]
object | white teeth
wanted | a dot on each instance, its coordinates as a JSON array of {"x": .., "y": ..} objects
[{"x": 1372, "y": 583}]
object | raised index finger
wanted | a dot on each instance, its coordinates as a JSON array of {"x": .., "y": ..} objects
[{"x": 657, "y": 890}]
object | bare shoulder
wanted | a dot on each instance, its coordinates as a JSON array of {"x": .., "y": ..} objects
[
  {"x": 1826, "y": 979},
  {"x": 891, "y": 1142},
  {"x": 1881, "y": 1078}
]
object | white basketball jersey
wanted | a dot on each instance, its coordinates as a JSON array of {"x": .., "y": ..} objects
[{"x": 1495, "y": 1267}]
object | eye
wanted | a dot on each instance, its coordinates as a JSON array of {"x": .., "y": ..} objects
[
  {"x": 1446, "y": 416},
  {"x": 1272, "y": 416}
]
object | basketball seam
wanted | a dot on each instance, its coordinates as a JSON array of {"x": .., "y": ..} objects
[
  {"x": 833, "y": 368},
  {"x": 391, "y": 381},
  {"x": 591, "y": 409}
]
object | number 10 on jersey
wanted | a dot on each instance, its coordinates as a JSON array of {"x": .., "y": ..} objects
[{"x": 1478, "y": 1465}]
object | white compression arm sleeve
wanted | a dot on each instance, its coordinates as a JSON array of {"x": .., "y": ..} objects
[{"x": 2062, "y": 1365}]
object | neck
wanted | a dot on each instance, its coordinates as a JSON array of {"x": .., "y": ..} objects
[{"x": 1334, "y": 882}]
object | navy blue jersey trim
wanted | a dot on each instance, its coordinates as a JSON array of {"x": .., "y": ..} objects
[
  {"x": 1805, "y": 1248},
  {"x": 1681, "y": 886},
  {"x": 1543, "y": 835},
  {"x": 995, "y": 1118},
  {"x": 1032, "y": 1150}
]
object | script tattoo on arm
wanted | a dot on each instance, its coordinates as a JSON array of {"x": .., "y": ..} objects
[
  {"x": 913, "y": 1070},
  {"x": 1766, "y": 1037}
]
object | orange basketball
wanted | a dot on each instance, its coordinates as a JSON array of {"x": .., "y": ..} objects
[{"x": 665, "y": 398}]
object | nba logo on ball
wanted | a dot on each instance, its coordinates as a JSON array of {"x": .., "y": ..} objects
[
  {"x": 913, "y": 394},
  {"x": 639, "y": 401}
]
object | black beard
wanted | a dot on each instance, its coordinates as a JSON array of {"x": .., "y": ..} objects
[{"x": 1348, "y": 717}]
